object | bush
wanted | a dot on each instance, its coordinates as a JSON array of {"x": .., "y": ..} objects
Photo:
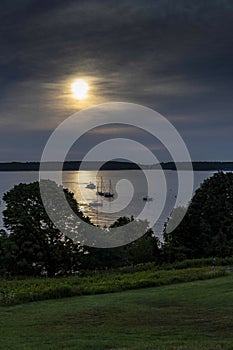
[{"x": 18, "y": 291}]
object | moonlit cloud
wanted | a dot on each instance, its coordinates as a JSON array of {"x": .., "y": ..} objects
[{"x": 175, "y": 57}]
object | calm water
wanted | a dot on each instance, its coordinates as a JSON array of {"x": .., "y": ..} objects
[{"x": 129, "y": 187}]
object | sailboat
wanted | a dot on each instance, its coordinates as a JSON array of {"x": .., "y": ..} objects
[
  {"x": 109, "y": 193},
  {"x": 100, "y": 191}
]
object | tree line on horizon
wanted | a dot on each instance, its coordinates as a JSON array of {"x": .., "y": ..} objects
[
  {"x": 33, "y": 246},
  {"x": 115, "y": 165}
]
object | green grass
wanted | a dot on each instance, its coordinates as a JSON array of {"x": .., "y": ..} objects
[
  {"x": 186, "y": 316},
  {"x": 18, "y": 291}
]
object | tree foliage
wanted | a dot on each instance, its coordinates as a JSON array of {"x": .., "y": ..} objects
[
  {"x": 144, "y": 249},
  {"x": 35, "y": 244},
  {"x": 207, "y": 228}
]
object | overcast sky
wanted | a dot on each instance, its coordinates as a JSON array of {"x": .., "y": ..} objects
[{"x": 173, "y": 56}]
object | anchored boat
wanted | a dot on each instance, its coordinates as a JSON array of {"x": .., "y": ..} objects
[
  {"x": 147, "y": 199},
  {"x": 100, "y": 190},
  {"x": 109, "y": 193},
  {"x": 91, "y": 186}
]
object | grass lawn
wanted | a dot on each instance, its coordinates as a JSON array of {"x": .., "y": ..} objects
[{"x": 192, "y": 315}]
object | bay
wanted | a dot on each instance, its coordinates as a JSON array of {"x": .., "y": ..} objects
[{"x": 130, "y": 186}]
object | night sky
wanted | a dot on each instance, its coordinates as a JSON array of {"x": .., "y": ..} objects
[{"x": 173, "y": 56}]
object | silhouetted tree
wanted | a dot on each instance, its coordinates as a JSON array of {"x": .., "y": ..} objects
[
  {"x": 144, "y": 249},
  {"x": 207, "y": 229},
  {"x": 35, "y": 243}
]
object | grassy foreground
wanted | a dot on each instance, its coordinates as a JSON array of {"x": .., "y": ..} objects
[{"x": 195, "y": 315}]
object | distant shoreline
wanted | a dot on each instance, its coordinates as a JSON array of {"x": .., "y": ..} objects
[{"x": 114, "y": 165}]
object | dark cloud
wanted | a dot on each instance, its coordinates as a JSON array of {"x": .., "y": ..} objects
[{"x": 173, "y": 56}]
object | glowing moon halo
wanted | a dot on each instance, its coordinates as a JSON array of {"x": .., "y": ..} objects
[{"x": 80, "y": 89}]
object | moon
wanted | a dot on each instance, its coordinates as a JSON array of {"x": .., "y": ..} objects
[{"x": 80, "y": 89}]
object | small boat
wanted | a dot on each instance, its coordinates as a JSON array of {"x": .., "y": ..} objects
[
  {"x": 91, "y": 186},
  {"x": 96, "y": 204},
  {"x": 109, "y": 193},
  {"x": 147, "y": 199},
  {"x": 100, "y": 190}
]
